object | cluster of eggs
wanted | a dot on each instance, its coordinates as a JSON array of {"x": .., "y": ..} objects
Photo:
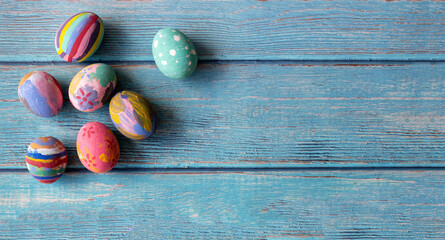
[{"x": 90, "y": 89}]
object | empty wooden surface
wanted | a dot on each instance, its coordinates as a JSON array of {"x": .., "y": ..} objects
[
  {"x": 226, "y": 205},
  {"x": 304, "y": 119}
]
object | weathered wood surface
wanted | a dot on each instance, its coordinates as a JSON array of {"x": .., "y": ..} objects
[
  {"x": 245, "y": 114},
  {"x": 236, "y": 30},
  {"x": 225, "y": 205},
  {"x": 241, "y": 117}
]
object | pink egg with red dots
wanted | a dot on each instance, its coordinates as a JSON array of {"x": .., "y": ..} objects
[{"x": 97, "y": 147}]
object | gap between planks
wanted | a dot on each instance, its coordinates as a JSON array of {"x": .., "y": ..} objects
[
  {"x": 237, "y": 169},
  {"x": 279, "y": 62}
]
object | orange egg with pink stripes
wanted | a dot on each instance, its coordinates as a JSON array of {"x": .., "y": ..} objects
[{"x": 79, "y": 37}]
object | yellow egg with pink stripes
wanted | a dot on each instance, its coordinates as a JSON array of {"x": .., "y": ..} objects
[{"x": 79, "y": 37}]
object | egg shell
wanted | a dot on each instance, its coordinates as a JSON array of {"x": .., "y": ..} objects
[
  {"x": 92, "y": 87},
  {"x": 41, "y": 94},
  {"x": 174, "y": 53},
  {"x": 133, "y": 115},
  {"x": 97, "y": 147},
  {"x": 46, "y": 159},
  {"x": 79, "y": 37}
]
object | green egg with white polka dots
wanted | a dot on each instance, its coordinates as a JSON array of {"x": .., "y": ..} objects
[{"x": 174, "y": 53}]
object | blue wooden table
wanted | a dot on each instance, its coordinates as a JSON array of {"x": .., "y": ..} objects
[{"x": 304, "y": 119}]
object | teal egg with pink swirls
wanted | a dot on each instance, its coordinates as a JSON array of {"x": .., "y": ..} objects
[{"x": 92, "y": 87}]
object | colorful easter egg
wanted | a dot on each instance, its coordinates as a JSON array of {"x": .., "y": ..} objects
[
  {"x": 79, "y": 37},
  {"x": 97, "y": 147},
  {"x": 41, "y": 94},
  {"x": 92, "y": 87},
  {"x": 133, "y": 115},
  {"x": 46, "y": 159},
  {"x": 174, "y": 53}
]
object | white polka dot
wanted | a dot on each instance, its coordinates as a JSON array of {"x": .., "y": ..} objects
[
  {"x": 173, "y": 30},
  {"x": 172, "y": 52},
  {"x": 188, "y": 55},
  {"x": 160, "y": 35},
  {"x": 163, "y": 43},
  {"x": 193, "y": 51},
  {"x": 164, "y": 62},
  {"x": 186, "y": 47},
  {"x": 160, "y": 54},
  {"x": 156, "y": 43},
  {"x": 176, "y": 61},
  {"x": 177, "y": 37},
  {"x": 190, "y": 63}
]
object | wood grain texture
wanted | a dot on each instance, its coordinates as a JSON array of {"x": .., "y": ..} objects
[
  {"x": 250, "y": 114},
  {"x": 236, "y": 30},
  {"x": 242, "y": 118},
  {"x": 226, "y": 205}
]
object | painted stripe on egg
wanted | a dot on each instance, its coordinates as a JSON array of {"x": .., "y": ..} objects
[
  {"x": 47, "y": 177},
  {"x": 48, "y": 164},
  {"x": 42, "y": 156},
  {"x": 46, "y": 172},
  {"x": 96, "y": 43},
  {"x": 65, "y": 28},
  {"x": 91, "y": 44},
  {"x": 77, "y": 29}
]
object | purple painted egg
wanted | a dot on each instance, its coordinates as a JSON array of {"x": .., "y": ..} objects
[
  {"x": 79, "y": 37},
  {"x": 41, "y": 94},
  {"x": 92, "y": 87}
]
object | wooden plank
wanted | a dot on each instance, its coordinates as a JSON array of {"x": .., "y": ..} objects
[
  {"x": 248, "y": 114},
  {"x": 236, "y": 30},
  {"x": 226, "y": 205}
]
